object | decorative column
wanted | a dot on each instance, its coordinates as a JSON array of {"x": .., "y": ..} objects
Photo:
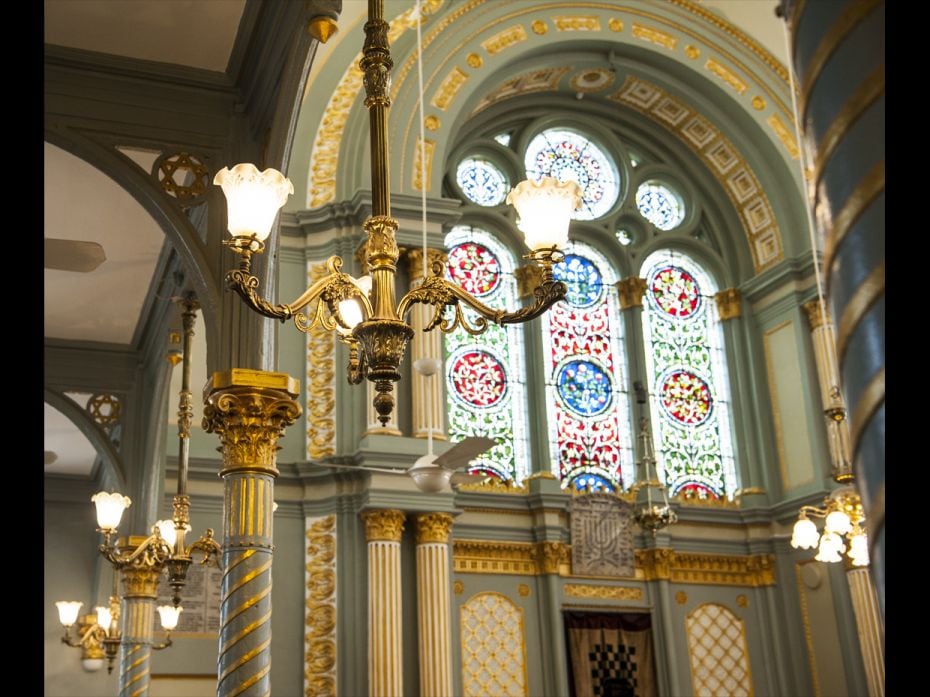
[
  {"x": 870, "y": 628},
  {"x": 838, "y": 54},
  {"x": 140, "y": 584},
  {"x": 248, "y": 410},
  {"x": 550, "y": 555},
  {"x": 434, "y": 606},
  {"x": 824, "y": 339},
  {"x": 383, "y": 529},
  {"x": 423, "y": 345},
  {"x": 631, "y": 291}
]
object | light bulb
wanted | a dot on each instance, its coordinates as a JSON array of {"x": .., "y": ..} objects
[
  {"x": 104, "y": 618},
  {"x": 838, "y": 522},
  {"x": 804, "y": 535},
  {"x": 253, "y": 198},
  {"x": 167, "y": 530},
  {"x": 110, "y": 509},
  {"x": 351, "y": 310},
  {"x": 68, "y": 611},
  {"x": 545, "y": 210},
  {"x": 169, "y": 614}
]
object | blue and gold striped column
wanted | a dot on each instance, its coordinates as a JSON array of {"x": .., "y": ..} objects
[
  {"x": 838, "y": 52},
  {"x": 434, "y": 604},
  {"x": 383, "y": 530},
  {"x": 140, "y": 587},
  {"x": 248, "y": 410}
]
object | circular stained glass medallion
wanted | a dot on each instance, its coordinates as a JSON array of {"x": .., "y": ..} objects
[
  {"x": 581, "y": 278},
  {"x": 481, "y": 182},
  {"x": 685, "y": 398},
  {"x": 566, "y": 155},
  {"x": 675, "y": 291},
  {"x": 591, "y": 482},
  {"x": 584, "y": 387},
  {"x": 478, "y": 378},
  {"x": 475, "y": 268},
  {"x": 660, "y": 205}
]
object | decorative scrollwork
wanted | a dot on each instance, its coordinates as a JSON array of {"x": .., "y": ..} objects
[{"x": 245, "y": 284}]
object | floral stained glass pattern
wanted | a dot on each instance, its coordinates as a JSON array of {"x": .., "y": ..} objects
[
  {"x": 484, "y": 374},
  {"x": 481, "y": 182},
  {"x": 567, "y": 155},
  {"x": 660, "y": 205},
  {"x": 589, "y": 428},
  {"x": 689, "y": 394}
]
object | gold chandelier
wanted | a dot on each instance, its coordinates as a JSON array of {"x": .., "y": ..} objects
[
  {"x": 365, "y": 311},
  {"x": 650, "y": 515}
]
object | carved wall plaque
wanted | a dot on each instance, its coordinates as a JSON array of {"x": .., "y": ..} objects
[{"x": 602, "y": 536}]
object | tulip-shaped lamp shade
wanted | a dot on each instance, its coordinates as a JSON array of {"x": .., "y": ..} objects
[
  {"x": 169, "y": 614},
  {"x": 859, "y": 549},
  {"x": 831, "y": 547},
  {"x": 253, "y": 198},
  {"x": 104, "y": 618},
  {"x": 167, "y": 530},
  {"x": 804, "y": 535},
  {"x": 545, "y": 209},
  {"x": 110, "y": 509},
  {"x": 838, "y": 522},
  {"x": 68, "y": 611}
]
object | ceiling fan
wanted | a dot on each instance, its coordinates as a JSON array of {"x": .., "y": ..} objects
[
  {"x": 73, "y": 255},
  {"x": 432, "y": 473}
]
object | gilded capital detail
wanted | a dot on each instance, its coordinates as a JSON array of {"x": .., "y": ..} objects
[
  {"x": 815, "y": 312},
  {"x": 141, "y": 582},
  {"x": 728, "y": 303},
  {"x": 631, "y": 292},
  {"x": 433, "y": 527},
  {"x": 415, "y": 261},
  {"x": 249, "y": 419},
  {"x": 384, "y": 525}
]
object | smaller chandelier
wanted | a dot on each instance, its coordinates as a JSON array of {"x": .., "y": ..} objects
[
  {"x": 98, "y": 634},
  {"x": 843, "y": 528}
]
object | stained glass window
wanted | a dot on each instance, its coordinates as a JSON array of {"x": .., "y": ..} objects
[
  {"x": 503, "y": 139},
  {"x": 660, "y": 205},
  {"x": 481, "y": 182},
  {"x": 568, "y": 155},
  {"x": 689, "y": 396},
  {"x": 588, "y": 410},
  {"x": 485, "y": 374}
]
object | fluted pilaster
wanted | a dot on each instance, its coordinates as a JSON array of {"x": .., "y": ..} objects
[
  {"x": 427, "y": 392},
  {"x": 434, "y": 605},
  {"x": 249, "y": 411},
  {"x": 870, "y": 628},
  {"x": 383, "y": 530}
]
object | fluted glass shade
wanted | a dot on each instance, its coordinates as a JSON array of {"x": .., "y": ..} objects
[
  {"x": 104, "y": 618},
  {"x": 253, "y": 198},
  {"x": 859, "y": 549},
  {"x": 110, "y": 509},
  {"x": 831, "y": 547},
  {"x": 167, "y": 530},
  {"x": 838, "y": 522},
  {"x": 804, "y": 535},
  {"x": 68, "y": 611},
  {"x": 544, "y": 209},
  {"x": 168, "y": 614}
]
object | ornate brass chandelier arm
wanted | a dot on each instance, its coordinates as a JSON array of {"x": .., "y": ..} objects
[
  {"x": 440, "y": 293},
  {"x": 209, "y": 547},
  {"x": 357, "y": 365},
  {"x": 153, "y": 550},
  {"x": 245, "y": 284},
  {"x": 165, "y": 644},
  {"x": 544, "y": 297}
]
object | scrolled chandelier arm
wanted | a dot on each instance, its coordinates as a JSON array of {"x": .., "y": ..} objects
[{"x": 367, "y": 317}]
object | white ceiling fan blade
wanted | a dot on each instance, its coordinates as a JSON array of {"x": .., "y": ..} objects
[
  {"x": 458, "y": 456},
  {"x": 459, "y": 478},
  {"x": 359, "y": 468},
  {"x": 73, "y": 255}
]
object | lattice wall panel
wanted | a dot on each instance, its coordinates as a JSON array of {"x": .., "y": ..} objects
[
  {"x": 493, "y": 647},
  {"x": 717, "y": 648}
]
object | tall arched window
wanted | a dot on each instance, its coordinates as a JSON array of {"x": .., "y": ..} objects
[
  {"x": 485, "y": 374},
  {"x": 586, "y": 389},
  {"x": 689, "y": 394}
]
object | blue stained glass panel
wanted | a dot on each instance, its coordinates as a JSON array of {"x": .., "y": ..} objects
[
  {"x": 592, "y": 482},
  {"x": 582, "y": 279},
  {"x": 481, "y": 182},
  {"x": 584, "y": 387},
  {"x": 659, "y": 205}
]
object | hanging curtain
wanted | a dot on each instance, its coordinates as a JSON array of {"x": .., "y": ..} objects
[{"x": 610, "y": 654}]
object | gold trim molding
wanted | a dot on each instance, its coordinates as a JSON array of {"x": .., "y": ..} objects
[
  {"x": 783, "y": 134},
  {"x": 866, "y": 191},
  {"x": 449, "y": 88},
  {"x": 321, "y": 389},
  {"x": 496, "y": 486},
  {"x": 871, "y": 398},
  {"x": 727, "y": 75},
  {"x": 579, "y": 590},
  {"x": 430, "y": 146},
  {"x": 655, "y": 36},
  {"x": 859, "y": 305},
  {"x": 577, "y": 22},
  {"x": 320, "y": 637},
  {"x": 504, "y": 39}
]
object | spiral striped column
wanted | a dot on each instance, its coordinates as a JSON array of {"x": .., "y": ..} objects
[
  {"x": 434, "y": 606},
  {"x": 249, "y": 410},
  {"x": 137, "y": 612},
  {"x": 422, "y": 345},
  {"x": 383, "y": 530},
  {"x": 838, "y": 53},
  {"x": 870, "y": 628}
]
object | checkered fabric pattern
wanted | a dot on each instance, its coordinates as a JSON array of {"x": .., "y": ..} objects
[{"x": 608, "y": 663}]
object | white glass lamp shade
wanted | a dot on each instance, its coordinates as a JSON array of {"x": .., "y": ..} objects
[
  {"x": 831, "y": 547},
  {"x": 804, "y": 535},
  {"x": 104, "y": 618},
  {"x": 351, "y": 310},
  {"x": 838, "y": 522},
  {"x": 68, "y": 611},
  {"x": 92, "y": 665},
  {"x": 253, "y": 198},
  {"x": 428, "y": 477},
  {"x": 544, "y": 209},
  {"x": 167, "y": 530},
  {"x": 168, "y": 614},
  {"x": 859, "y": 549},
  {"x": 110, "y": 509}
]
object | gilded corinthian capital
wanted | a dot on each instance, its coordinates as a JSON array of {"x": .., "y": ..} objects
[
  {"x": 385, "y": 525},
  {"x": 433, "y": 527},
  {"x": 249, "y": 410}
]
